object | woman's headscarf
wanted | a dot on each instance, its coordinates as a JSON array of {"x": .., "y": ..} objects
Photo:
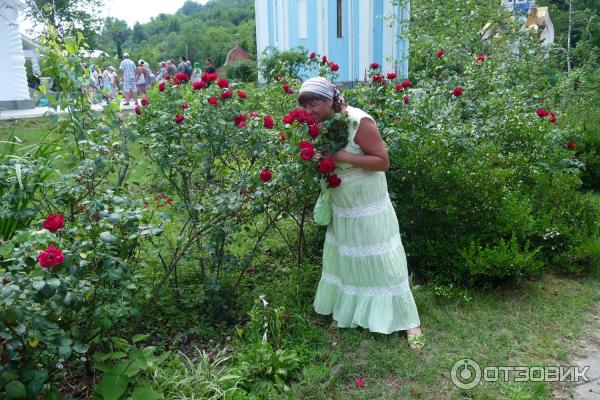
[{"x": 323, "y": 87}]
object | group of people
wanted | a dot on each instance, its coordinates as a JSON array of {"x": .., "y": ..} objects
[
  {"x": 137, "y": 79},
  {"x": 104, "y": 82}
]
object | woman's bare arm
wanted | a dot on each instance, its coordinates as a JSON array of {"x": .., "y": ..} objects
[{"x": 370, "y": 141}]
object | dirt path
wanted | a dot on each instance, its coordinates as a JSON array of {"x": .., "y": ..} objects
[{"x": 590, "y": 346}]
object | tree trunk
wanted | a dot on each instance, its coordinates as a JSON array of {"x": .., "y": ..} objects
[{"x": 569, "y": 36}]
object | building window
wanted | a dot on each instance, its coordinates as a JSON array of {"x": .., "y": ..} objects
[
  {"x": 340, "y": 29},
  {"x": 302, "y": 19}
]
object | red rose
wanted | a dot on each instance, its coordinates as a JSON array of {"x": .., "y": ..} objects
[
  {"x": 242, "y": 94},
  {"x": 552, "y": 117},
  {"x": 181, "y": 78},
  {"x": 391, "y": 75},
  {"x": 334, "y": 67},
  {"x": 51, "y": 257},
  {"x": 137, "y": 110},
  {"x": 374, "y": 65},
  {"x": 458, "y": 91},
  {"x": 278, "y": 77},
  {"x": 406, "y": 99},
  {"x": 226, "y": 95},
  {"x": 288, "y": 119},
  {"x": 54, "y": 222},
  {"x": 360, "y": 382},
  {"x": 480, "y": 59},
  {"x": 326, "y": 165},
  {"x": 571, "y": 145},
  {"x": 145, "y": 101},
  {"x": 286, "y": 88},
  {"x": 240, "y": 121},
  {"x": 213, "y": 100},
  {"x": 307, "y": 150},
  {"x": 313, "y": 130},
  {"x": 204, "y": 77},
  {"x": 161, "y": 86},
  {"x": 223, "y": 83},
  {"x": 333, "y": 181},
  {"x": 378, "y": 78},
  {"x": 266, "y": 175},
  {"x": 312, "y": 55},
  {"x": 440, "y": 53},
  {"x": 179, "y": 118},
  {"x": 184, "y": 105},
  {"x": 282, "y": 136},
  {"x": 399, "y": 87},
  {"x": 251, "y": 270},
  {"x": 324, "y": 59},
  {"x": 212, "y": 76},
  {"x": 406, "y": 83},
  {"x": 541, "y": 113},
  {"x": 268, "y": 122},
  {"x": 198, "y": 85}
]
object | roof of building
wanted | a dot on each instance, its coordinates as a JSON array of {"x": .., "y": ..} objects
[{"x": 237, "y": 54}]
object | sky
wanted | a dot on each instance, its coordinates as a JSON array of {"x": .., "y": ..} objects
[{"x": 133, "y": 11}]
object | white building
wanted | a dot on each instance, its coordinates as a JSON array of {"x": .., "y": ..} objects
[
  {"x": 352, "y": 33},
  {"x": 14, "y": 92}
]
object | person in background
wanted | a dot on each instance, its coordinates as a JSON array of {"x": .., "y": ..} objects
[
  {"x": 188, "y": 68},
  {"x": 208, "y": 67},
  {"x": 106, "y": 85},
  {"x": 162, "y": 71},
  {"x": 196, "y": 73},
  {"x": 113, "y": 81},
  {"x": 141, "y": 75},
  {"x": 128, "y": 69},
  {"x": 150, "y": 78},
  {"x": 181, "y": 68},
  {"x": 171, "y": 69}
]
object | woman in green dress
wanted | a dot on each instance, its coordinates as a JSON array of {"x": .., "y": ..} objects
[{"x": 365, "y": 279}]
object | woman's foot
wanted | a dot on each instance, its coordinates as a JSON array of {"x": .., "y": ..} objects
[{"x": 415, "y": 338}]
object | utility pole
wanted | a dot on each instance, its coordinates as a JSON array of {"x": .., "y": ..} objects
[{"x": 569, "y": 36}]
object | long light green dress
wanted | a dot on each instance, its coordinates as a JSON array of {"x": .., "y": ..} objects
[{"x": 365, "y": 278}]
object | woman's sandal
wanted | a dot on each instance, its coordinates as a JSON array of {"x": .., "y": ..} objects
[{"x": 416, "y": 342}]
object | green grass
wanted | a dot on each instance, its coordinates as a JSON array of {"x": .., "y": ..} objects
[{"x": 533, "y": 323}]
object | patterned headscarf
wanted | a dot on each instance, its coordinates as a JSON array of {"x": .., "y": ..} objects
[{"x": 322, "y": 86}]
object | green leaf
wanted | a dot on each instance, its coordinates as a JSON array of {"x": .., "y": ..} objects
[
  {"x": 81, "y": 348},
  {"x": 54, "y": 282},
  {"x": 16, "y": 390},
  {"x": 139, "y": 338},
  {"x": 112, "y": 386},
  {"x": 145, "y": 393},
  {"x": 38, "y": 285},
  {"x": 64, "y": 352},
  {"x": 107, "y": 237}
]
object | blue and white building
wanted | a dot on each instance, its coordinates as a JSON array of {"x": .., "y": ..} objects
[{"x": 352, "y": 33}]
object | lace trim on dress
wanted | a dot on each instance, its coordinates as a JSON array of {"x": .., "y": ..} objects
[
  {"x": 354, "y": 174},
  {"x": 365, "y": 251},
  {"x": 366, "y": 290},
  {"x": 357, "y": 212}
]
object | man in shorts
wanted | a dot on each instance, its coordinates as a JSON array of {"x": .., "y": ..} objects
[{"x": 127, "y": 69}]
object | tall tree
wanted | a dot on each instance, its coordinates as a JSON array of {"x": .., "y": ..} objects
[{"x": 65, "y": 16}]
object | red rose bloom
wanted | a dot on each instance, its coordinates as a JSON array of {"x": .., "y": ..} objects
[
  {"x": 360, "y": 382},
  {"x": 184, "y": 105},
  {"x": 399, "y": 87},
  {"x": 278, "y": 77},
  {"x": 541, "y": 113},
  {"x": 326, "y": 165},
  {"x": 204, "y": 77},
  {"x": 324, "y": 59},
  {"x": 54, "y": 222},
  {"x": 391, "y": 75},
  {"x": 181, "y": 78},
  {"x": 313, "y": 130},
  {"x": 406, "y": 83},
  {"x": 307, "y": 150},
  {"x": 137, "y": 110},
  {"x": 179, "y": 118},
  {"x": 480, "y": 59},
  {"x": 242, "y": 94},
  {"x": 440, "y": 53},
  {"x": 458, "y": 91},
  {"x": 378, "y": 78},
  {"x": 286, "y": 88},
  {"x": 288, "y": 119},
  {"x": 199, "y": 85},
  {"x": 266, "y": 175},
  {"x": 240, "y": 121},
  {"x": 334, "y": 67},
  {"x": 333, "y": 181},
  {"x": 213, "y": 100},
  {"x": 226, "y": 95},
  {"x": 51, "y": 257},
  {"x": 312, "y": 55},
  {"x": 161, "y": 86},
  {"x": 282, "y": 136},
  {"x": 571, "y": 145},
  {"x": 268, "y": 122},
  {"x": 223, "y": 83},
  {"x": 145, "y": 101},
  {"x": 374, "y": 65},
  {"x": 552, "y": 117},
  {"x": 406, "y": 99},
  {"x": 212, "y": 76}
]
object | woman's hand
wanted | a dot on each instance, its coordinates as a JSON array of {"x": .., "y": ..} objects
[{"x": 342, "y": 156}]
